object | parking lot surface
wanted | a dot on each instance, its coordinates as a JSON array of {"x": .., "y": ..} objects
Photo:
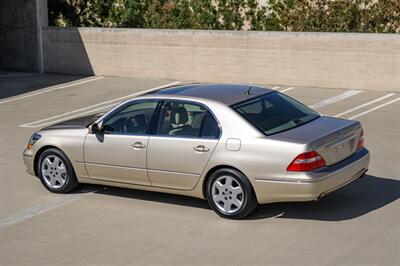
[{"x": 356, "y": 225}]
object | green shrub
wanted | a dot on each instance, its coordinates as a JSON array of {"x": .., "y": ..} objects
[{"x": 279, "y": 15}]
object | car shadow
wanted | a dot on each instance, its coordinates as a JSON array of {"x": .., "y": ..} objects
[
  {"x": 354, "y": 200},
  {"x": 360, "y": 197},
  {"x": 143, "y": 195}
]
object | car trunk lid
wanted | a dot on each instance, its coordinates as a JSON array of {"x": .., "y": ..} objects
[{"x": 333, "y": 138}]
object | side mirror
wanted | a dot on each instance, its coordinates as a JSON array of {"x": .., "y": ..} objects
[{"x": 95, "y": 128}]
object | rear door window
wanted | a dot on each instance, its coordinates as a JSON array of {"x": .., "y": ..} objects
[
  {"x": 187, "y": 119},
  {"x": 210, "y": 127}
]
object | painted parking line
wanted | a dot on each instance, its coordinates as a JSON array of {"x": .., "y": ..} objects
[
  {"x": 91, "y": 108},
  {"x": 37, "y": 210},
  {"x": 17, "y": 75},
  {"x": 275, "y": 88},
  {"x": 288, "y": 89},
  {"x": 7, "y": 75},
  {"x": 51, "y": 89},
  {"x": 76, "y": 112},
  {"x": 335, "y": 99},
  {"x": 365, "y": 104},
  {"x": 105, "y": 108},
  {"x": 375, "y": 108}
]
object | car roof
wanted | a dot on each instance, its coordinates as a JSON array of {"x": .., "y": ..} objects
[{"x": 228, "y": 94}]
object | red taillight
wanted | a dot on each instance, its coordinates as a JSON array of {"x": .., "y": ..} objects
[
  {"x": 307, "y": 161},
  {"x": 360, "y": 143}
]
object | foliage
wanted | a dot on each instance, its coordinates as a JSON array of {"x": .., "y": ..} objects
[
  {"x": 128, "y": 14},
  {"x": 180, "y": 14},
  {"x": 278, "y": 15},
  {"x": 82, "y": 13},
  {"x": 204, "y": 15},
  {"x": 231, "y": 14},
  {"x": 330, "y": 16}
]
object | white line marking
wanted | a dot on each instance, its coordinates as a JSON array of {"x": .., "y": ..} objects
[
  {"x": 335, "y": 99},
  {"x": 77, "y": 112},
  {"x": 17, "y": 74},
  {"x": 7, "y": 75},
  {"x": 70, "y": 117},
  {"x": 365, "y": 104},
  {"x": 275, "y": 88},
  {"x": 288, "y": 89},
  {"x": 37, "y": 210},
  {"x": 71, "y": 112},
  {"x": 375, "y": 108},
  {"x": 50, "y": 90}
]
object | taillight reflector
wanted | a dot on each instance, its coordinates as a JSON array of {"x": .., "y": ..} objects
[
  {"x": 307, "y": 161},
  {"x": 360, "y": 143}
]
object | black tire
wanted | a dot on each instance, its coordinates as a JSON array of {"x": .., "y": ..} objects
[
  {"x": 71, "y": 182},
  {"x": 249, "y": 201}
]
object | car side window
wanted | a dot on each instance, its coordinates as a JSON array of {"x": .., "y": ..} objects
[
  {"x": 133, "y": 119},
  {"x": 180, "y": 118},
  {"x": 210, "y": 127}
]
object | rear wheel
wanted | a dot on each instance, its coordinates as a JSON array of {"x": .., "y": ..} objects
[
  {"x": 230, "y": 194},
  {"x": 56, "y": 172}
]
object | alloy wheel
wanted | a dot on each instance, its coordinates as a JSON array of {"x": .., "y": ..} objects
[
  {"x": 227, "y": 194},
  {"x": 54, "y": 171}
]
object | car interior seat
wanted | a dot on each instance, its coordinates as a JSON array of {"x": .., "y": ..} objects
[
  {"x": 179, "y": 122},
  {"x": 136, "y": 124}
]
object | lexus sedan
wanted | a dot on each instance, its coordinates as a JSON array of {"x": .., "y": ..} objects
[{"x": 234, "y": 145}]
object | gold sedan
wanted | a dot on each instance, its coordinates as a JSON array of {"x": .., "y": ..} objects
[{"x": 234, "y": 145}]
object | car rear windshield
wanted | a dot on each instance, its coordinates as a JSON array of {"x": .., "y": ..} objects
[{"x": 275, "y": 112}]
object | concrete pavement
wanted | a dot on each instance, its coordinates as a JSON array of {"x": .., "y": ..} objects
[{"x": 356, "y": 225}]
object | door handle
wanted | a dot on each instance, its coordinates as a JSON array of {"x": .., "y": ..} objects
[
  {"x": 201, "y": 148},
  {"x": 138, "y": 145}
]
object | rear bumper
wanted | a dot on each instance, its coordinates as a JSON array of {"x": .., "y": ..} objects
[{"x": 306, "y": 186}]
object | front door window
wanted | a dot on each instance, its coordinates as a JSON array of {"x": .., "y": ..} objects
[{"x": 133, "y": 119}]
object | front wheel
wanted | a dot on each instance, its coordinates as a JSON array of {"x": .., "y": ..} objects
[
  {"x": 56, "y": 172},
  {"x": 230, "y": 194}
]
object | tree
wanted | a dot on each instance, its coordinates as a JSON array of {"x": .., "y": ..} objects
[
  {"x": 274, "y": 16},
  {"x": 231, "y": 14},
  {"x": 128, "y": 13},
  {"x": 277, "y": 15},
  {"x": 204, "y": 15},
  {"x": 91, "y": 13},
  {"x": 384, "y": 16}
]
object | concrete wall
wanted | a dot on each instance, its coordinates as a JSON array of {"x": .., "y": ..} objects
[
  {"x": 20, "y": 23},
  {"x": 365, "y": 61}
]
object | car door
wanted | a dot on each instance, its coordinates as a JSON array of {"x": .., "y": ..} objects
[
  {"x": 118, "y": 154},
  {"x": 186, "y": 136}
]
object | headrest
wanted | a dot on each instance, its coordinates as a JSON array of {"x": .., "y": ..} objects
[
  {"x": 197, "y": 120},
  {"x": 179, "y": 116},
  {"x": 136, "y": 121}
]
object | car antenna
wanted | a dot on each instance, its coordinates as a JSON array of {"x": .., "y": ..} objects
[{"x": 248, "y": 91}]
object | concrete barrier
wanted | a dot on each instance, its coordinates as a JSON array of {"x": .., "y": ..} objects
[
  {"x": 20, "y": 42},
  {"x": 341, "y": 60}
]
